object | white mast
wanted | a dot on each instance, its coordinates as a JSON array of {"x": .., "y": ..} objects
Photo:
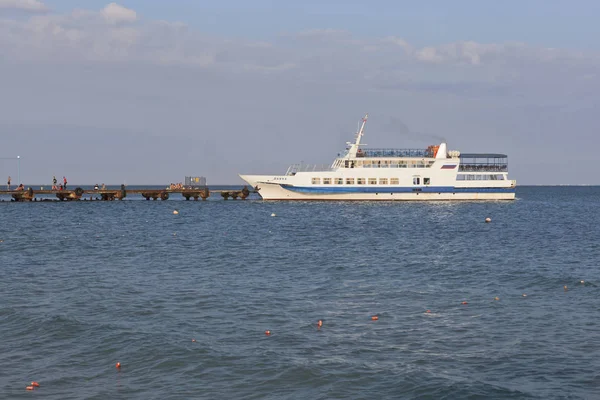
[{"x": 355, "y": 146}]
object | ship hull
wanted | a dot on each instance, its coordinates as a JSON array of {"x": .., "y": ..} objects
[{"x": 277, "y": 191}]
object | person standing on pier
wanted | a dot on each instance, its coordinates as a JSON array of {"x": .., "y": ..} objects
[
  {"x": 65, "y": 182},
  {"x": 54, "y": 183},
  {"x": 8, "y": 183}
]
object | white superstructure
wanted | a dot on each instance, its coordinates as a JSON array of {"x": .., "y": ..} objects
[{"x": 393, "y": 174}]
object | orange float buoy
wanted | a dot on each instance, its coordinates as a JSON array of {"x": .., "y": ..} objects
[
  {"x": 374, "y": 317},
  {"x": 464, "y": 302},
  {"x": 565, "y": 287},
  {"x": 267, "y": 332},
  {"x": 29, "y": 388},
  {"x": 118, "y": 365},
  {"x": 193, "y": 340},
  {"x": 496, "y": 298},
  {"x": 35, "y": 384}
]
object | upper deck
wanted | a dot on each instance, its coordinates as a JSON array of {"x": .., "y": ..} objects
[
  {"x": 483, "y": 162},
  {"x": 356, "y": 156},
  {"x": 395, "y": 153}
]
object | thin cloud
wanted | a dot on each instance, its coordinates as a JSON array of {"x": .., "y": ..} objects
[
  {"x": 114, "y": 14},
  {"x": 116, "y": 35},
  {"x": 24, "y": 5}
]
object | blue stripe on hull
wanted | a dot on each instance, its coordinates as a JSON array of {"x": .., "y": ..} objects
[{"x": 392, "y": 189}]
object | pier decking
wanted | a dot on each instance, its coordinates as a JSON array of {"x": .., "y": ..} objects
[{"x": 79, "y": 193}]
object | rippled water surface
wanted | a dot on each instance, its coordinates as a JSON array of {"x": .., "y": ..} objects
[{"x": 84, "y": 285}]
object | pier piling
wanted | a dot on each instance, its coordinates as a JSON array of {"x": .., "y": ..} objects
[{"x": 29, "y": 195}]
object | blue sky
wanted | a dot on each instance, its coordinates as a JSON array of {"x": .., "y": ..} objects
[
  {"x": 146, "y": 92},
  {"x": 542, "y": 22}
]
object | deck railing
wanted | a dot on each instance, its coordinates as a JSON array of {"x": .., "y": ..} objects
[
  {"x": 294, "y": 168},
  {"x": 483, "y": 167},
  {"x": 395, "y": 153}
]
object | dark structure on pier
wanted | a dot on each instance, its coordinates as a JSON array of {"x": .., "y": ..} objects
[{"x": 195, "y": 181}]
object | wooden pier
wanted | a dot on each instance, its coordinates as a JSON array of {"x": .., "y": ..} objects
[{"x": 78, "y": 193}]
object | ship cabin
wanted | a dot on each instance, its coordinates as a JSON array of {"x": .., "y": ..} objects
[
  {"x": 471, "y": 166},
  {"x": 482, "y": 166}
]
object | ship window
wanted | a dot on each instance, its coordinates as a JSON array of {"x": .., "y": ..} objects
[
  {"x": 316, "y": 181},
  {"x": 426, "y": 181},
  {"x": 360, "y": 181},
  {"x": 326, "y": 181},
  {"x": 339, "y": 181},
  {"x": 372, "y": 181},
  {"x": 460, "y": 177},
  {"x": 349, "y": 181},
  {"x": 394, "y": 181},
  {"x": 416, "y": 181},
  {"x": 383, "y": 181}
]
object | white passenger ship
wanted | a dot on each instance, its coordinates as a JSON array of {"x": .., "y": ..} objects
[{"x": 393, "y": 174}]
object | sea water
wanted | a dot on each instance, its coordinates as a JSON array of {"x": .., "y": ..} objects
[{"x": 183, "y": 300}]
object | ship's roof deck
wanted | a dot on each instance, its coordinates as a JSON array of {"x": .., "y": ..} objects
[{"x": 483, "y": 162}]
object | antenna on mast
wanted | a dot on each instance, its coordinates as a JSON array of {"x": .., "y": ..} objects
[
  {"x": 362, "y": 129},
  {"x": 354, "y": 147}
]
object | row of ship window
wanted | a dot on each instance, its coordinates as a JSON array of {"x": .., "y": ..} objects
[
  {"x": 478, "y": 177},
  {"x": 396, "y": 181},
  {"x": 386, "y": 164},
  {"x": 364, "y": 181}
]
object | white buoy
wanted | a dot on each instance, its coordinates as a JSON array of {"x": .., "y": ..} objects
[
  {"x": 524, "y": 295},
  {"x": 273, "y": 215},
  {"x": 175, "y": 212},
  {"x": 488, "y": 219}
]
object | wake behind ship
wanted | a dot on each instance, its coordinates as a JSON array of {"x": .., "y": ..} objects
[{"x": 433, "y": 173}]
